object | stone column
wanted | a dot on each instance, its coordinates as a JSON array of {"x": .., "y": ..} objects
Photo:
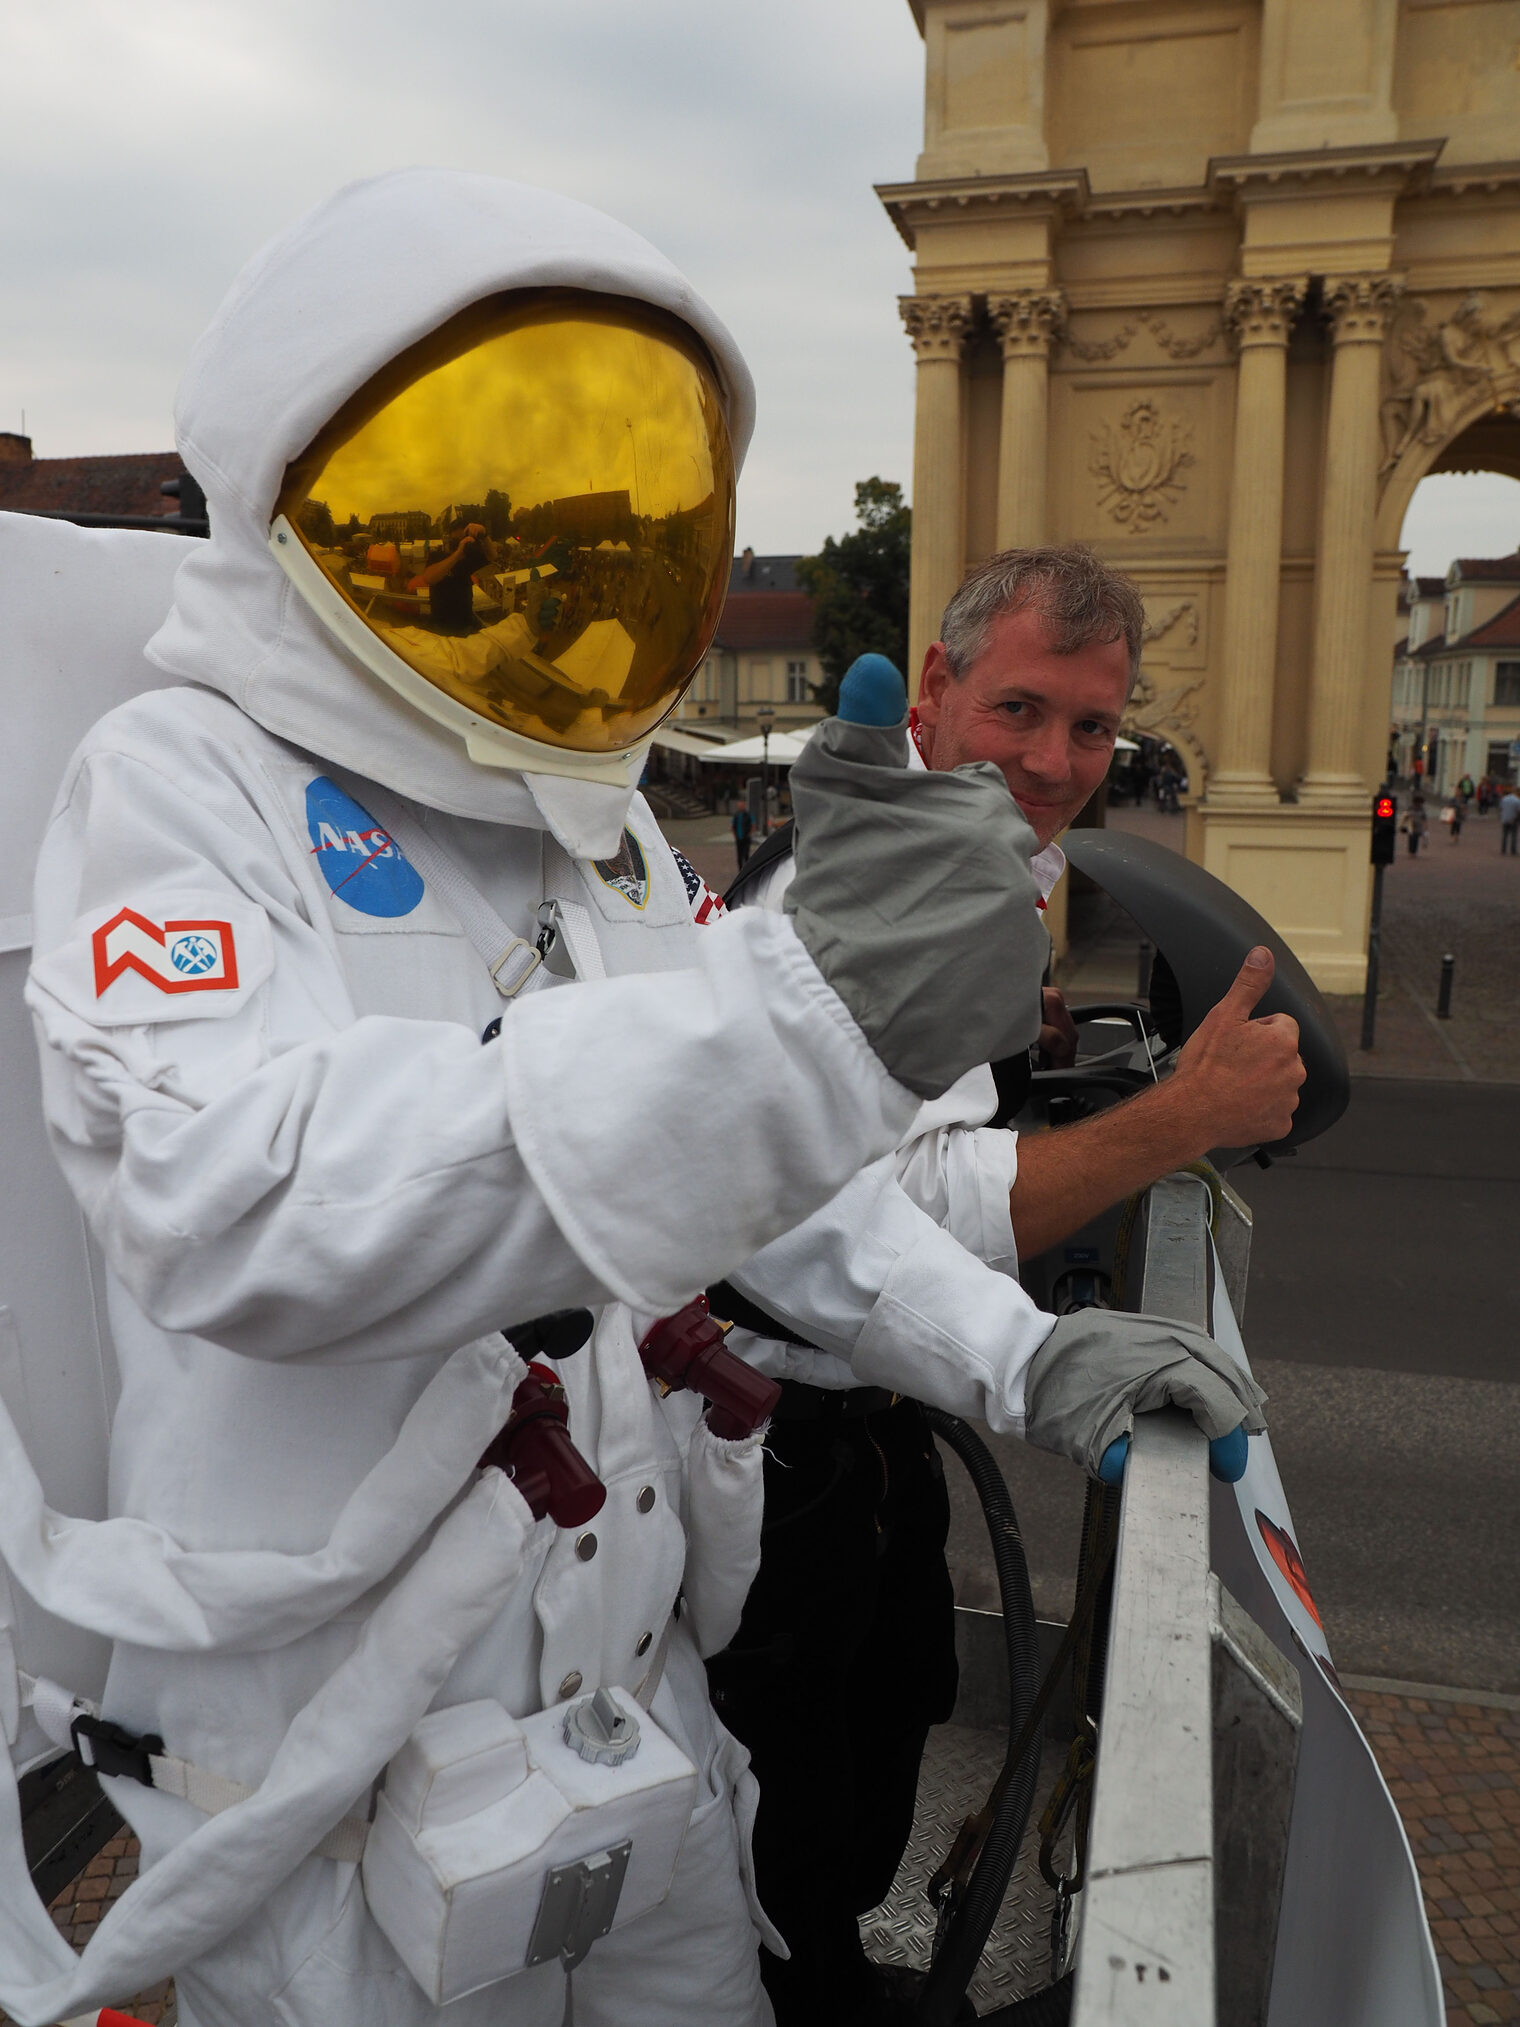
[
  {"x": 1359, "y": 307},
  {"x": 937, "y": 327},
  {"x": 1025, "y": 324},
  {"x": 1261, "y": 314}
]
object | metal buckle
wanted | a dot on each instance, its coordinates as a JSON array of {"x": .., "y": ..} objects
[
  {"x": 518, "y": 961},
  {"x": 115, "y": 1751},
  {"x": 578, "y": 1906}
]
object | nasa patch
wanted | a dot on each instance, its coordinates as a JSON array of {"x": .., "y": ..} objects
[
  {"x": 362, "y": 864},
  {"x": 628, "y": 873}
]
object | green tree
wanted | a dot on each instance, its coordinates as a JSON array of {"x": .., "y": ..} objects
[{"x": 859, "y": 584}]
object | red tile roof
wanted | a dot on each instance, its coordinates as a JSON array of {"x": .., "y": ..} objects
[
  {"x": 1488, "y": 569},
  {"x": 1428, "y": 587},
  {"x": 125, "y": 484},
  {"x": 766, "y": 619},
  {"x": 1502, "y": 631}
]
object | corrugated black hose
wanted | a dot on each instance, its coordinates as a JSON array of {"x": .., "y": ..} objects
[{"x": 971, "y": 1923}]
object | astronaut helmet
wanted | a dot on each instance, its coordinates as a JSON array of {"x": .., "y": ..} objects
[
  {"x": 523, "y": 524},
  {"x": 469, "y": 452}
]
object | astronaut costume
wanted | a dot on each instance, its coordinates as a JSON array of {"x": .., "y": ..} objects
[{"x": 278, "y": 907}]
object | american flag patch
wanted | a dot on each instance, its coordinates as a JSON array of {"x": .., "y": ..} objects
[{"x": 705, "y": 905}]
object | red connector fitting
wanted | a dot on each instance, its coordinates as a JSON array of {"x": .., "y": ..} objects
[
  {"x": 687, "y": 1350},
  {"x": 539, "y": 1457}
]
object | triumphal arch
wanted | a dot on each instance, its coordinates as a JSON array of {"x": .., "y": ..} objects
[{"x": 1212, "y": 284}]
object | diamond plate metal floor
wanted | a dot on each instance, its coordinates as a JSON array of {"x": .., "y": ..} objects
[{"x": 959, "y": 1767}]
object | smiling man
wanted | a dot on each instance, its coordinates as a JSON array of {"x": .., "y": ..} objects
[
  {"x": 852, "y": 1611},
  {"x": 1037, "y": 656}
]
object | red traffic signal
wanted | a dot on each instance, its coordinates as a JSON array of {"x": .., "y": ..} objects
[{"x": 1385, "y": 824}]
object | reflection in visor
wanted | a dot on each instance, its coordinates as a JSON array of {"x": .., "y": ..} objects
[{"x": 533, "y": 508}]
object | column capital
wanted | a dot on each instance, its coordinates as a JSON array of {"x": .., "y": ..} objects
[
  {"x": 1026, "y": 321},
  {"x": 1261, "y": 312},
  {"x": 1359, "y": 306},
  {"x": 937, "y": 325}
]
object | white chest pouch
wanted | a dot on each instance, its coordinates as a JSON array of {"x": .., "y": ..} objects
[{"x": 502, "y": 1842}]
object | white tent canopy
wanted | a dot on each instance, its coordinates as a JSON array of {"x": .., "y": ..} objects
[{"x": 785, "y": 748}]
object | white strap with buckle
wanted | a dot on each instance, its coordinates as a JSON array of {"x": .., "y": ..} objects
[{"x": 511, "y": 960}]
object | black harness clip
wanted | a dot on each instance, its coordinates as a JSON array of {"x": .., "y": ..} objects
[{"x": 111, "y": 1749}]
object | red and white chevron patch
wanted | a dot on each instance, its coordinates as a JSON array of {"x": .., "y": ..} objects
[{"x": 174, "y": 956}]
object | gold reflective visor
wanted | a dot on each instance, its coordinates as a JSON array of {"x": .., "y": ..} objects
[{"x": 533, "y": 510}]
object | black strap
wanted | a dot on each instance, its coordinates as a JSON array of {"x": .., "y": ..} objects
[
  {"x": 726, "y": 1302},
  {"x": 776, "y": 846}
]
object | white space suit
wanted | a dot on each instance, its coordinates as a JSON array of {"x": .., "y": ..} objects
[{"x": 320, "y": 1198}]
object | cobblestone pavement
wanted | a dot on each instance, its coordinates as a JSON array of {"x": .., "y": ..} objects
[
  {"x": 84, "y": 1900},
  {"x": 1454, "y": 1770}
]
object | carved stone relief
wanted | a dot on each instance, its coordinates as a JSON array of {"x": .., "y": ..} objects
[
  {"x": 1183, "y": 616},
  {"x": 1099, "y": 351},
  {"x": 1168, "y": 712},
  {"x": 1429, "y": 371},
  {"x": 1139, "y": 465}
]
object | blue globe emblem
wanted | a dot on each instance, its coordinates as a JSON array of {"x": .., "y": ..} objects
[{"x": 194, "y": 955}]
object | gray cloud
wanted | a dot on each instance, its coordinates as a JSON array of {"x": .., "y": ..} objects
[{"x": 148, "y": 151}]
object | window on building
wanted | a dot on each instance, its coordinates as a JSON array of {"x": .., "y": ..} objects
[
  {"x": 796, "y": 683},
  {"x": 760, "y": 682},
  {"x": 1500, "y": 766},
  {"x": 1507, "y": 683}
]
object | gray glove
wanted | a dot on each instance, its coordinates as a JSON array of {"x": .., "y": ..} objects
[
  {"x": 1100, "y": 1368},
  {"x": 914, "y": 897}
]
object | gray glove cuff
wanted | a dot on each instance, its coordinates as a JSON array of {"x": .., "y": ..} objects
[
  {"x": 913, "y": 895},
  {"x": 1100, "y": 1368}
]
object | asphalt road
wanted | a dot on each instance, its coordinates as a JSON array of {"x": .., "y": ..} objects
[{"x": 1384, "y": 1320}]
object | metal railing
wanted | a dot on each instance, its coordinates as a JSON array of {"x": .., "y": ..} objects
[{"x": 1198, "y": 1741}]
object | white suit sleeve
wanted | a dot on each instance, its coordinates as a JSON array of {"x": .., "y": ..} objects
[
  {"x": 875, "y": 1281},
  {"x": 961, "y": 1172},
  {"x": 268, "y": 1171}
]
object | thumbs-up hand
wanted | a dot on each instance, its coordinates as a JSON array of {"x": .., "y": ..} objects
[{"x": 1241, "y": 1076}]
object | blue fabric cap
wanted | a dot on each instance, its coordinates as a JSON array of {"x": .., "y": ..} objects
[{"x": 873, "y": 692}]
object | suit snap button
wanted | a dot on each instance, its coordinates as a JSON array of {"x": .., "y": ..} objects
[
  {"x": 642, "y": 1644},
  {"x": 645, "y": 1500},
  {"x": 571, "y": 1683},
  {"x": 585, "y": 1546}
]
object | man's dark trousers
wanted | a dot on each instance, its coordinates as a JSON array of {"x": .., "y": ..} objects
[{"x": 844, "y": 1658}]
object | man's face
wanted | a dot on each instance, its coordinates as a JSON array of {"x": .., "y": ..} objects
[{"x": 1048, "y": 721}]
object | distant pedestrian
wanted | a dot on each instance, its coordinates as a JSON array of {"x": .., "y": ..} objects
[
  {"x": 1464, "y": 791},
  {"x": 1414, "y": 827},
  {"x": 743, "y": 827},
  {"x": 1509, "y": 823},
  {"x": 1451, "y": 816}
]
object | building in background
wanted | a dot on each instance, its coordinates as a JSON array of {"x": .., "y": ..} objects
[
  {"x": 128, "y": 486},
  {"x": 1456, "y": 674},
  {"x": 1212, "y": 288},
  {"x": 762, "y": 655}
]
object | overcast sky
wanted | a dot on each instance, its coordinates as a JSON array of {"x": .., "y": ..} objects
[{"x": 147, "y": 150}]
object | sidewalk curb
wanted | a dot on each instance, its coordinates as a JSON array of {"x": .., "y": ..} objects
[{"x": 1432, "y": 1692}]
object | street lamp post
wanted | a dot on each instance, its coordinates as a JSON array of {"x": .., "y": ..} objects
[{"x": 765, "y": 714}]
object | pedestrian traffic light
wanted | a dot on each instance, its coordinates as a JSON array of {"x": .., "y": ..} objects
[{"x": 1385, "y": 824}]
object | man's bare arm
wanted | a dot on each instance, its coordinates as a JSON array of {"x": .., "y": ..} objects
[{"x": 1235, "y": 1085}]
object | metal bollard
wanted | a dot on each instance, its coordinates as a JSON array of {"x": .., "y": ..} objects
[{"x": 1443, "y": 1000}]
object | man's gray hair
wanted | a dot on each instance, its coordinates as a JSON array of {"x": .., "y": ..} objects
[{"x": 1083, "y": 600}]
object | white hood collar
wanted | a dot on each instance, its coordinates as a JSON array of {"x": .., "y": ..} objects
[{"x": 309, "y": 320}]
